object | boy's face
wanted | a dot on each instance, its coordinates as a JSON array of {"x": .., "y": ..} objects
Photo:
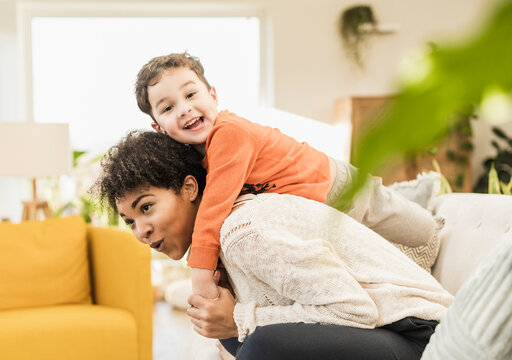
[
  {"x": 160, "y": 218},
  {"x": 182, "y": 106}
]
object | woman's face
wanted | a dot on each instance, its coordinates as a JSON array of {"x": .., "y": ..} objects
[{"x": 161, "y": 218}]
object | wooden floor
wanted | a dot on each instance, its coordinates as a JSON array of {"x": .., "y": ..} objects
[{"x": 172, "y": 333}]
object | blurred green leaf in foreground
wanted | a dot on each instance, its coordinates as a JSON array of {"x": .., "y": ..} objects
[{"x": 448, "y": 81}]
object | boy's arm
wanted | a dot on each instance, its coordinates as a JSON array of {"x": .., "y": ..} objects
[
  {"x": 203, "y": 283},
  {"x": 231, "y": 156}
]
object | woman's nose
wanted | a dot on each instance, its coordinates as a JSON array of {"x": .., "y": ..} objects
[{"x": 144, "y": 231}]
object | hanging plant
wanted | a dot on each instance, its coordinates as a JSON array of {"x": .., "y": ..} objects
[{"x": 355, "y": 24}]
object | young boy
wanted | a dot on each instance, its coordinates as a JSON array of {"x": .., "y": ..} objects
[{"x": 244, "y": 157}]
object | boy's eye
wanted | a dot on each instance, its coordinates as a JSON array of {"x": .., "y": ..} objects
[
  {"x": 190, "y": 95},
  {"x": 129, "y": 222},
  {"x": 168, "y": 108}
]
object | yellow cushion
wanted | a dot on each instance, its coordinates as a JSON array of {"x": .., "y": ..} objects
[
  {"x": 78, "y": 332},
  {"x": 44, "y": 263}
]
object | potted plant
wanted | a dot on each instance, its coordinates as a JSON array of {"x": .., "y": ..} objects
[
  {"x": 355, "y": 24},
  {"x": 499, "y": 167}
]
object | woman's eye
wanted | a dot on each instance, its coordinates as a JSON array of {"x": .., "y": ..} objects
[
  {"x": 145, "y": 207},
  {"x": 129, "y": 222}
]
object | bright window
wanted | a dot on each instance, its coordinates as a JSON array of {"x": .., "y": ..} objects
[{"x": 84, "y": 68}]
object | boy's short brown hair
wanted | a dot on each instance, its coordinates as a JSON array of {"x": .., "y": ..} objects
[{"x": 151, "y": 72}]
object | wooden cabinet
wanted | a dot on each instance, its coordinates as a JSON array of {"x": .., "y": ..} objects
[{"x": 451, "y": 153}]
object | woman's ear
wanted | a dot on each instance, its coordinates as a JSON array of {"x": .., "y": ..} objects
[{"x": 190, "y": 188}]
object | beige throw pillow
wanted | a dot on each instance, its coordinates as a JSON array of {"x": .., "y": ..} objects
[
  {"x": 425, "y": 255},
  {"x": 421, "y": 191}
]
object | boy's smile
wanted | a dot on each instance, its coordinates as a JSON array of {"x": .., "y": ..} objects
[{"x": 183, "y": 107}]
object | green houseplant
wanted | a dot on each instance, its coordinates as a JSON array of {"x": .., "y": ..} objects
[
  {"x": 499, "y": 167},
  {"x": 85, "y": 166}
]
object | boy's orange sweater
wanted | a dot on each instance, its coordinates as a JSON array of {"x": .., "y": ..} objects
[{"x": 244, "y": 157}]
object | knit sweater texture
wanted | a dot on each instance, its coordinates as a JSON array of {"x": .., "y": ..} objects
[
  {"x": 478, "y": 326},
  {"x": 291, "y": 259}
]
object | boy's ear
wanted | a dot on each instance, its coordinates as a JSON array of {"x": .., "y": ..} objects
[
  {"x": 213, "y": 94},
  {"x": 158, "y": 128},
  {"x": 190, "y": 188}
]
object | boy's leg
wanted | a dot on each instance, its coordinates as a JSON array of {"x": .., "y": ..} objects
[
  {"x": 478, "y": 325},
  {"x": 231, "y": 345},
  {"x": 384, "y": 211},
  {"x": 329, "y": 342},
  {"x": 224, "y": 354}
]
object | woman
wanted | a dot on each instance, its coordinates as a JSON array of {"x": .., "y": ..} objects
[{"x": 309, "y": 281}]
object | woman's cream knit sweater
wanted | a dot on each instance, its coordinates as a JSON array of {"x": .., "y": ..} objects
[{"x": 292, "y": 259}]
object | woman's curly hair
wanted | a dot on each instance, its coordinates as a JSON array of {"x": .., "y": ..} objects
[{"x": 143, "y": 159}]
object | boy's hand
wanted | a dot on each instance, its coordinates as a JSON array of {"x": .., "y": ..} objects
[{"x": 203, "y": 283}]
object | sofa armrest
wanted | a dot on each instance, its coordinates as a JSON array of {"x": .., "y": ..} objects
[
  {"x": 475, "y": 224},
  {"x": 121, "y": 278}
]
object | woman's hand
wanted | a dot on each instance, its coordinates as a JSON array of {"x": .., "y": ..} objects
[{"x": 213, "y": 318}]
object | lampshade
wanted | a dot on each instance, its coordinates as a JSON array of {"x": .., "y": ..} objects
[{"x": 34, "y": 150}]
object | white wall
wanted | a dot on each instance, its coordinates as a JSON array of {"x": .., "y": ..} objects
[
  {"x": 9, "y": 77},
  {"x": 310, "y": 68},
  {"x": 12, "y": 190}
]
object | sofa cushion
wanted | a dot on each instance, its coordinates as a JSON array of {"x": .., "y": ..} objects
[
  {"x": 78, "y": 332},
  {"x": 475, "y": 224},
  {"x": 425, "y": 255},
  {"x": 44, "y": 263},
  {"x": 422, "y": 190}
]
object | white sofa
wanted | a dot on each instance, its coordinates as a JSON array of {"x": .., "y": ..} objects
[
  {"x": 475, "y": 224},
  {"x": 475, "y": 262}
]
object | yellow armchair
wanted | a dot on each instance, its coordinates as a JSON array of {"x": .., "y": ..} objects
[{"x": 73, "y": 291}]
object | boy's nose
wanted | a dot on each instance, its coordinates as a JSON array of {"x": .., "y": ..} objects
[{"x": 184, "y": 110}]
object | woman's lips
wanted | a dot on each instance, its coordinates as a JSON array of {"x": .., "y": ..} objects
[{"x": 157, "y": 245}]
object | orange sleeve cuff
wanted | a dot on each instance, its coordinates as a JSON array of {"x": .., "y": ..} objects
[{"x": 203, "y": 258}]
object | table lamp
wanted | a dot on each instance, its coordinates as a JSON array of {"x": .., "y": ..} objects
[{"x": 35, "y": 151}]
